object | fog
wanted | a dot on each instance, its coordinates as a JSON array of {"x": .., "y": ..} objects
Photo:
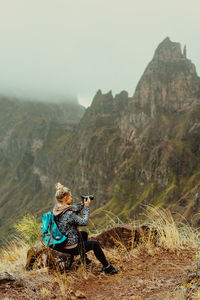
[{"x": 51, "y": 49}]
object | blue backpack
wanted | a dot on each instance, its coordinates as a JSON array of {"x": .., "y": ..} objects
[{"x": 50, "y": 232}]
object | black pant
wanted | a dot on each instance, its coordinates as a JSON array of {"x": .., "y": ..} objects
[{"x": 83, "y": 247}]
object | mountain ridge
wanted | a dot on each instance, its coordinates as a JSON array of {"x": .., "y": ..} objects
[{"x": 127, "y": 151}]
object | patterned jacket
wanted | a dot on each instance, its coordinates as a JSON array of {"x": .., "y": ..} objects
[{"x": 69, "y": 221}]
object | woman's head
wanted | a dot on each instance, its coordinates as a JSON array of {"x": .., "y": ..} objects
[{"x": 63, "y": 194}]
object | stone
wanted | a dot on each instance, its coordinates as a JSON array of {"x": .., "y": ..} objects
[
  {"x": 42, "y": 256},
  {"x": 125, "y": 236}
]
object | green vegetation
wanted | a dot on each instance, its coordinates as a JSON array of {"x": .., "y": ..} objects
[
  {"x": 163, "y": 172},
  {"x": 29, "y": 229}
]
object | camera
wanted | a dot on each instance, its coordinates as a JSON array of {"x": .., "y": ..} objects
[{"x": 85, "y": 198}]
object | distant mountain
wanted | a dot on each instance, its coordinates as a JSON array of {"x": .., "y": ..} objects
[
  {"x": 160, "y": 139},
  {"x": 31, "y": 136},
  {"x": 169, "y": 84},
  {"x": 127, "y": 151}
]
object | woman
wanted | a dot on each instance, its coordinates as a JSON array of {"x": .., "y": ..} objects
[{"x": 67, "y": 221}]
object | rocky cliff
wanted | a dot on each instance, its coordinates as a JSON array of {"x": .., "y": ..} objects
[
  {"x": 32, "y": 138},
  {"x": 160, "y": 138},
  {"x": 127, "y": 151},
  {"x": 169, "y": 84},
  {"x": 170, "y": 80},
  {"x": 135, "y": 148},
  {"x": 95, "y": 147}
]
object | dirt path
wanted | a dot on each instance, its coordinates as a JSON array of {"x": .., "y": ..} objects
[
  {"x": 148, "y": 275},
  {"x": 145, "y": 277}
]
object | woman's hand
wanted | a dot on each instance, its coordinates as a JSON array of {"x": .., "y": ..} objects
[{"x": 87, "y": 202}]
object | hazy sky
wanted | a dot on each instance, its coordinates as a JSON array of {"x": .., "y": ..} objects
[{"x": 52, "y": 48}]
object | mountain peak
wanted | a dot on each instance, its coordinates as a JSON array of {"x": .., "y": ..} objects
[
  {"x": 168, "y": 50},
  {"x": 170, "y": 80}
]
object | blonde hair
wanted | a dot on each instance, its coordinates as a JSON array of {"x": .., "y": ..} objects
[{"x": 61, "y": 191}]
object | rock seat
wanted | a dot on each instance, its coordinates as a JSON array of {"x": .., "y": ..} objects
[{"x": 43, "y": 256}]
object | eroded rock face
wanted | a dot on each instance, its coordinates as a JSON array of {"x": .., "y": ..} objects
[
  {"x": 94, "y": 147},
  {"x": 170, "y": 80},
  {"x": 29, "y": 146},
  {"x": 169, "y": 83}
]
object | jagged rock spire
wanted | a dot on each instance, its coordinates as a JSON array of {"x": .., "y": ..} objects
[{"x": 170, "y": 80}]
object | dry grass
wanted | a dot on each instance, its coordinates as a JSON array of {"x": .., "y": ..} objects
[
  {"x": 13, "y": 260},
  {"x": 29, "y": 229},
  {"x": 178, "y": 295},
  {"x": 13, "y": 256},
  {"x": 44, "y": 292},
  {"x": 181, "y": 295},
  {"x": 171, "y": 236}
]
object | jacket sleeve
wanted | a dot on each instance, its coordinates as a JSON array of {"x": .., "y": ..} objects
[
  {"x": 78, "y": 207},
  {"x": 80, "y": 221}
]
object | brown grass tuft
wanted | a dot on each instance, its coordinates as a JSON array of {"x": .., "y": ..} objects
[{"x": 172, "y": 235}]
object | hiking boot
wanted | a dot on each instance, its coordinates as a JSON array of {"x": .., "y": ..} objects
[{"x": 109, "y": 270}]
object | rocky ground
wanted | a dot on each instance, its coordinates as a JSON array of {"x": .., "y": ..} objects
[{"x": 145, "y": 272}]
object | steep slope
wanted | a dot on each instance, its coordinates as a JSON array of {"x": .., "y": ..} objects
[
  {"x": 94, "y": 148},
  {"x": 162, "y": 166},
  {"x": 161, "y": 134},
  {"x": 32, "y": 137}
]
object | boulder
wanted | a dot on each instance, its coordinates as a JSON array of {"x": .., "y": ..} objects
[
  {"x": 43, "y": 256},
  {"x": 125, "y": 236}
]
